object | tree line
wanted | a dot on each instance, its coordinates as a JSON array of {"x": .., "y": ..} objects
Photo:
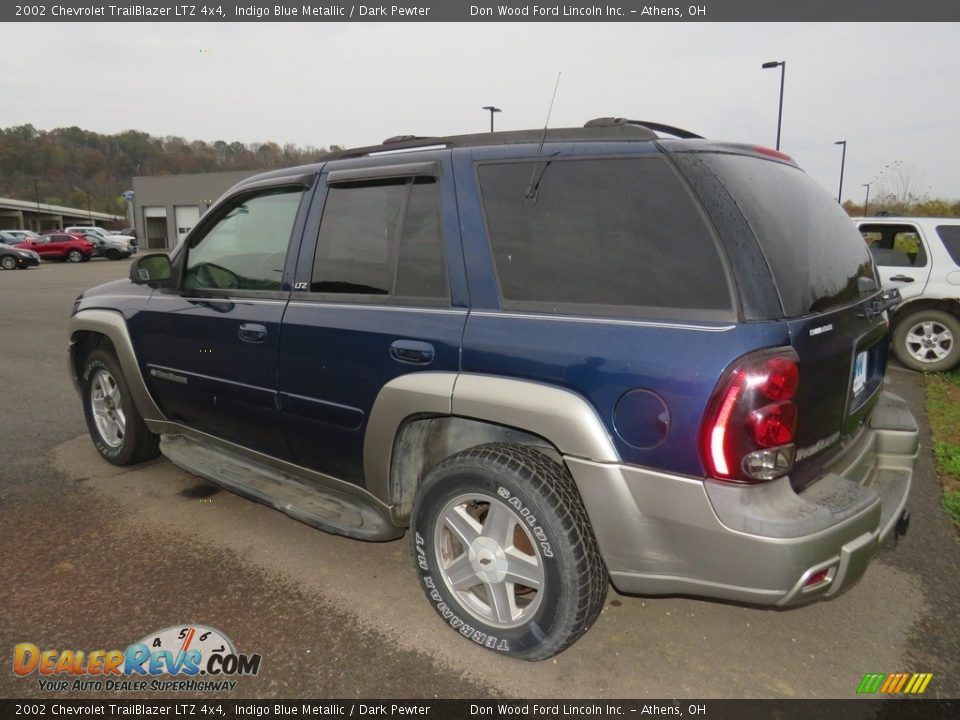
[
  {"x": 62, "y": 166},
  {"x": 916, "y": 208},
  {"x": 65, "y": 166}
]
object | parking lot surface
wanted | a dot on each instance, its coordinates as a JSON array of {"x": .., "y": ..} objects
[{"x": 95, "y": 556}]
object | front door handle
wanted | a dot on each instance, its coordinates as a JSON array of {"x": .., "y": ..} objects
[
  {"x": 901, "y": 278},
  {"x": 253, "y": 332},
  {"x": 413, "y": 352}
]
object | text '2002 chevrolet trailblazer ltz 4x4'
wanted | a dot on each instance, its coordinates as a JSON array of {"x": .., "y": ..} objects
[{"x": 559, "y": 359}]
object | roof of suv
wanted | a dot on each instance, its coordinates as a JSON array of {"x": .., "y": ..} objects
[
  {"x": 605, "y": 129},
  {"x": 597, "y": 130}
]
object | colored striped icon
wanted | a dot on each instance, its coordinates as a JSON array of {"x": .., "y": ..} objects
[{"x": 893, "y": 683}]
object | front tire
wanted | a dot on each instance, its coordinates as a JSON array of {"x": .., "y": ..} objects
[
  {"x": 8, "y": 262},
  {"x": 116, "y": 427},
  {"x": 75, "y": 256},
  {"x": 112, "y": 255},
  {"x": 505, "y": 553},
  {"x": 928, "y": 341}
]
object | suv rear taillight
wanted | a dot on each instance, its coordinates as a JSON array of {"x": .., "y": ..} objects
[{"x": 747, "y": 433}]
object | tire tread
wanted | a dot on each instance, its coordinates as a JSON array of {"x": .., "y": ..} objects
[{"x": 553, "y": 482}]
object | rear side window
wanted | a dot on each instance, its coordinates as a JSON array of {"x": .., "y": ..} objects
[
  {"x": 381, "y": 238},
  {"x": 814, "y": 251},
  {"x": 894, "y": 245},
  {"x": 950, "y": 235},
  {"x": 603, "y": 237}
]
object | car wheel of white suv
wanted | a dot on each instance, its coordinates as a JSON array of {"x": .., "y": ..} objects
[{"x": 928, "y": 341}]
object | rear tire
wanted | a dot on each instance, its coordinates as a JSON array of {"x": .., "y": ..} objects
[
  {"x": 928, "y": 341},
  {"x": 505, "y": 553},
  {"x": 116, "y": 427}
]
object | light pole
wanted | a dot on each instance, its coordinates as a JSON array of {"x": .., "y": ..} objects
[
  {"x": 492, "y": 110},
  {"x": 782, "y": 64},
  {"x": 866, "y": 200},
  {"x": 89, "y": 211},
  {"x": 843, "y": 160},
  {"x": 36, "y": 192}
]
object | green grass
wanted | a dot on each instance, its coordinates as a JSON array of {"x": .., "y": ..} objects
[
  {"x": 951, "y": 503},
  {"x": 943, "y": 411},
  {"x": 948, "y": 457}
]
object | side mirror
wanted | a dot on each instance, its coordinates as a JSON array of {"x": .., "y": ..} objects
[{"x": 153, "y": 269}]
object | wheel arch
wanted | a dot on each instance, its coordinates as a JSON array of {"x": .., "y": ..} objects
[
  {"x": 949, "y": 305},
  {"x": 420, "y": 419},
  {"x": 91, "y": 329}
]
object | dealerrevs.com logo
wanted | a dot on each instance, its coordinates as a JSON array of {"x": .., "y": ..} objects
[{"x": 186, "y": 652}]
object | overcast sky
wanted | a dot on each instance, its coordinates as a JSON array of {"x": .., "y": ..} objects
[{"x": 890, "y": 90}]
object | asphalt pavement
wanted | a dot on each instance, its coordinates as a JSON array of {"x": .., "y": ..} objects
[{"x": 96, "y": 557}]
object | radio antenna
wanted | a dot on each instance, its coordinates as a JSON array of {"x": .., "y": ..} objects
[{"x": 534, "y": 186}]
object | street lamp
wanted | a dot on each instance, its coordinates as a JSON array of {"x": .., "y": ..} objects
[
  {"x": 89, "y": 211},
  {"x": 866, "y": 200},
  {"x": 843, "y": 160},
  {"x": 492, "y": 110},
  {"x": 782, "y": 64},
  {"x": 36, "y": 191}
]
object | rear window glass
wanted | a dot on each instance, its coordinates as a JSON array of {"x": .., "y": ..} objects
[
  {"x": 950, "y": 235},
  {"x": 811, "y": 245},
  {"x": 615, "y": 236}
]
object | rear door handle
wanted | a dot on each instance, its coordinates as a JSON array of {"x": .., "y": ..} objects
[
  {"x": 901, "y": 278},
  {"x": 253, "y": 333},
  {"x": 413, "y": 352}
]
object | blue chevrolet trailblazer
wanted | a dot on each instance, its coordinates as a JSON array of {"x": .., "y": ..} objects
[{"x": 557, "y": 359}]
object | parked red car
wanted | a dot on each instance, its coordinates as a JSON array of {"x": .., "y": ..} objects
[{"x": 60, "y": 246}]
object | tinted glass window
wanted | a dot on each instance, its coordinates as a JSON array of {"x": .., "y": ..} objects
[
  {"x": 950, "y": 235},
  {"x": 247, "y": 247},
  {"x": 811, "y": 245},
  {"x": 609, "y": 236},
  {"x": 894, "y": 245},
  {"x": 381, "y": 238}
]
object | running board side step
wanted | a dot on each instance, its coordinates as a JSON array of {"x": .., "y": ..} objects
[{"x": 322, "y": 507}]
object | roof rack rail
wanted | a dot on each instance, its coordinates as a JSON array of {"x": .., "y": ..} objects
[
  {"x": 605, "y": 129},
  {"x": 656, "y": 127},
  {"x": 405, "y": 138}
]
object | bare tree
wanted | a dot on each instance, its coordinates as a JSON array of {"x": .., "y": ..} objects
[{"x": 899, "y": 186}]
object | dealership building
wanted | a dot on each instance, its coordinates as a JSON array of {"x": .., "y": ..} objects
[{"x": 166, "y": 207}]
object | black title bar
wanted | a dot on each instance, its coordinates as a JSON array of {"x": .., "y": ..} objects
[
  {"x": 550, "y": 709},
  {"x": 216, "y": 11}
]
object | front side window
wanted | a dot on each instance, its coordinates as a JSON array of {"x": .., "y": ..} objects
[
  {"x": 247, "y": 247},
  {"x": 894, "y": 245},
  {"x": 381, "y": 238}
]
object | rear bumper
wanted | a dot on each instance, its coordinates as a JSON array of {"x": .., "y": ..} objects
[{"x": 663, "y": 534}]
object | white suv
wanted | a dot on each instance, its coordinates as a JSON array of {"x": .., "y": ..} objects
[{"x": 920, "y": 257}]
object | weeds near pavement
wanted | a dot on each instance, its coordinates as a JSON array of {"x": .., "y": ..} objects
[{"x": 943, "y": 411}]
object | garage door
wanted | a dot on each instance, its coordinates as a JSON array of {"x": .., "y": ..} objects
[{"x": 186, "y": 217}]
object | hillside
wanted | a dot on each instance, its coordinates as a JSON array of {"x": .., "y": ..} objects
[{"x": 64, "y": 164}]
